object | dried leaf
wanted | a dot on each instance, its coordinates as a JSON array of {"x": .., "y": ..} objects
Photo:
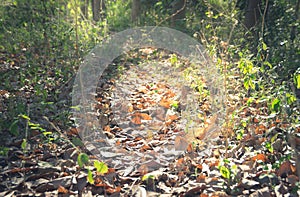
[
  {"x": 286, "y": 168},
  {"x": 144, "y": 116},
  {"x": 62, "y": 190},
  {"x": 165, "y": 103},
  {"x": 136, "y": 120},
  {"x": 181, "y": 143},
  {"x": 260, "y": 157},
  {"x": 113, "y": 190}
]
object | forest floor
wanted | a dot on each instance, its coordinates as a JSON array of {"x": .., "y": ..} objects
[{"x": 166, "y": 139}]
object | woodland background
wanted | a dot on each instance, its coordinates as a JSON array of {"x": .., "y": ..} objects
[{"x": 254, "y": 43}]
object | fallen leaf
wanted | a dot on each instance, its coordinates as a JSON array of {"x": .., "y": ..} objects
[
  {"x": 62, "y": 190},
  {"x": 165, "y": 103},
  {"x": 285, "y": 169},
  {"x": 181, "y": 143},
  {"x": 260, "y": 157},
  {"x": 136, "y": 120}
]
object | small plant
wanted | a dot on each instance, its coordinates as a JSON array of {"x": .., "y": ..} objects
[
  {"x": 228, "y": 171},
  {"x": 4, "y": 151},
  {"x": 101, "y": 167}
]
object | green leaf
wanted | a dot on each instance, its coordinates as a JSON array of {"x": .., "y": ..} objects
[
  {"x": 268, "y": 64},
  {"x": 274, "y": 138},
  {"x": 269, "y": 147},
  {"x": 24, "y": 116},
  {"x": 290, "y": 98},
  {"x": 225, "y": 172},
  {"x": 77, "y": 142},
  {"x": 77, "y": 107},
  {"x": 101, "y": 167},
  {"x": 4, "y": 151},
  {"x": 148, "y": 176},
  {"x": 24, "y": 144},
  {"x": 13, "y": 129},
  {"x": 82, "y": 159},
  {"x": 276, "y": 105},
  {"x": 173, "y": 59},
  {"x": 297, "y": 80},
  {"x": 47, "y": 133},
  {"x": 264, "y": 46},
  {"x": 90, "y": 178}
]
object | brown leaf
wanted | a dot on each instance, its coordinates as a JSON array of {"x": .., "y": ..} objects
[
  {"x": 62, "y": 190},
  {"x": 113, "y": 190},
  {"x": 165, "y": 103},
  {"x": 201, "y": 178},
  {"x": 181, "y": 143},
  {"x": 145, "y": 147},
  {"x": 136, "y": 120},
  {"x": 190, "y": 148},
  {"x": 260, "y": 157},
  {"x": 145, "y": 116},
  {"x": 286, "y": 168},
  {"x": 72, "y": 131}
]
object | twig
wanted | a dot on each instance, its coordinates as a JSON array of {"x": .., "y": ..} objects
[{"x": 58, "y": 130}]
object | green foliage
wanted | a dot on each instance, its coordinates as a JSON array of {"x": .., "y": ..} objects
[
  {"x": 228, "y": 170},
  {"x": 297, "y": 80},
  {"x": 4, "y": 151},
  {"x": 82, "y": 159},
  {"x": 276, "y": 105},
  {"x": 225, "y": 172},
  {"x": 118, "y": 15},
  {"x": 101, "y": 167},
  {"x": 24, "y": 145},
  {"x": 146, "y": 177},
  {"x": 90, "y": 178}
]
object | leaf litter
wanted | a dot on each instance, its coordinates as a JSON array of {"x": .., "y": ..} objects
[{"x": 142, "y": 110}]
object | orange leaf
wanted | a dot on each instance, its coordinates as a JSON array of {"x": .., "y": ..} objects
[
  {"x": 201, "y": 178},
  {"x": 260, "y": 157},
  {"x": 145, "y": 116},
  {"x": 165, "y": 103},
  {"x": 260, "y": 129},
  {"x": 107, "y": 128},
  {"x": 169, "y": 94},
  {"x": 172, "y": 117},
  {"x": 118, "y": 142},
  {"x": 180, "y": 161},
  {"x": 136, "y": 120},
  {"x": 62, "y": 190},
  {"x": 130, "y": 108},
  {"x": 145, "y": 147},
  {"x": 190, "y": 148}
]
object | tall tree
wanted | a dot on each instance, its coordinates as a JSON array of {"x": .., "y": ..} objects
[
  {"x": 252, "y": 13},
  {"x": 135, "y": 10},
  {"x": 178, "y": 12},
  {"x": 98, "y": 8},
  {"x": 84, "y": 7}
]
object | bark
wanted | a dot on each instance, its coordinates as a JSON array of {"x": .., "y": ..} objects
[
  {"x": 135, "y": 10},
  {"x": 98, "y": 8},
  {"x": 293, "y": 31},
  {"x": 84, "y": 8},
  {"x": 252, "y": 13},
  {"x": 178, "y": 12}
]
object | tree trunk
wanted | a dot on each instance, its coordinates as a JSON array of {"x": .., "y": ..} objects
[
  {"x": 135, "y": 10},
  {"x": 98, "y": 8},
  {"x": 252, "y": 13},
  {"x": 178, "y": 12},
  {"x": 84, "y": 8},
  {"x": 293, "y": 31}
]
